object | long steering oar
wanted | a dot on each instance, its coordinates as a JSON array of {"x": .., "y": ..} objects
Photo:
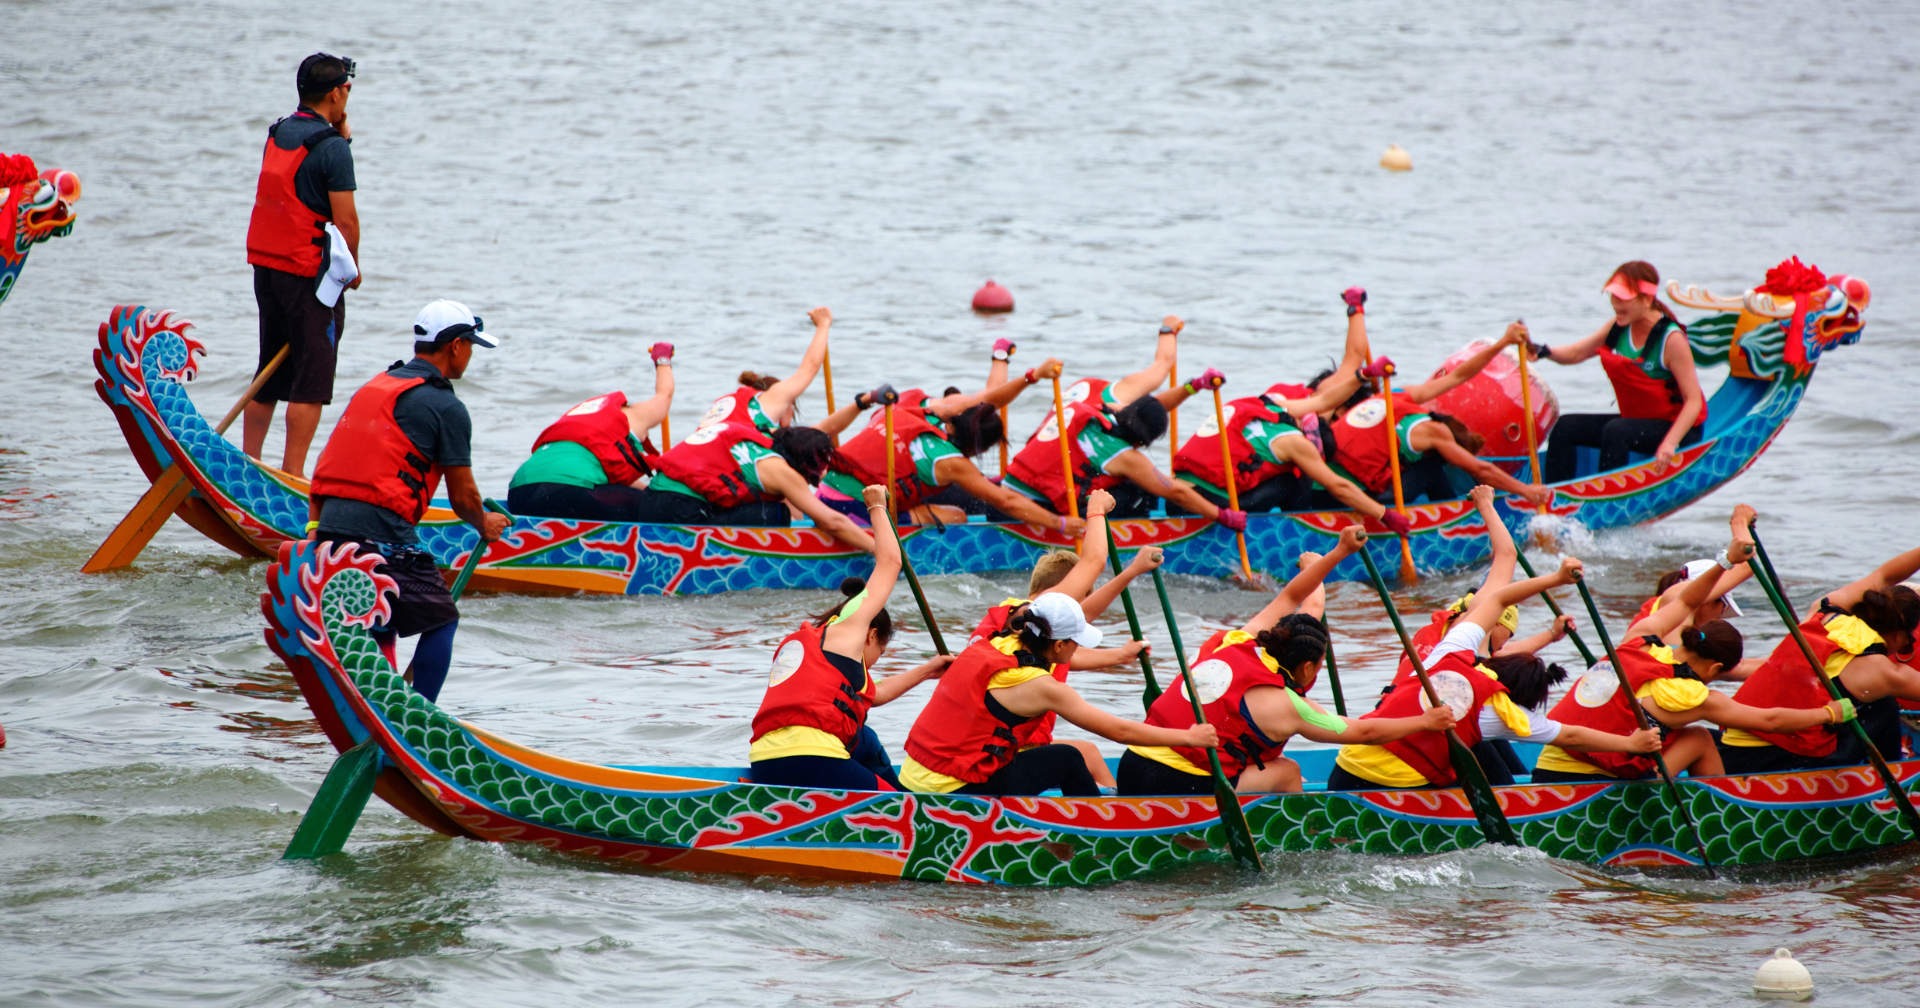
[
  {"x": 1640, "y": 717},
  {"x": 1408, "y": 575},
  {"x": 1066, "y": 452},
  {"x": 479, "y": 550},
  {"x": 1473, "y": 780},
  {"x": 169, "y": 490},
  {"x": 1152, "y": 690},
  {"x": 1554, "y": 607},
  {"x": 1769, "y": 583},
  {"x": 1233, "y": 488},
  {"x": 1232, "y": 817}
]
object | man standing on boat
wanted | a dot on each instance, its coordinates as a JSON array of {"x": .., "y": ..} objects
[
  {"x": 401, "y": 434},
  {"x": 304, "y": 244}
]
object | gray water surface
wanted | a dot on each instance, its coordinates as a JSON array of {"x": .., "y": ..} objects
[{"x": 594, "y": 177}]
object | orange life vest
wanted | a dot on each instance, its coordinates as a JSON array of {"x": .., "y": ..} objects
[
  {"x": 369, "y": 458},
  {"x": 705, "y": 463},
  {"x": 1223, "y": 675},
  {"x": 284, "y": 233},
  {"x": 1361, "y": 439},
  {"x": 806, "y": 689},
  {"x": 959, "y": 733},
  {"x": 600, "y": 426}
]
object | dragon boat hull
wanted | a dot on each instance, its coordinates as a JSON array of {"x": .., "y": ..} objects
[
  {"x": 459, "y": 779},
  {"x": 146, "y": 357}
]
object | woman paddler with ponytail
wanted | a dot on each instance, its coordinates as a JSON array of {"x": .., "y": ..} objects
[
  {"x": 1654, "y": 382},
  {"x": 591, "y": 464},
  {"x": 1491, "y": 698},
  {"x": 765, "y": 404},
  {"x": 811, "y": 728},
  {"x": 1864, "y": 635},
  {"x": 934, "y": 443},
  {"x": 1670, "y": 683},
  {"x": 1253, "y": 684},
  {"x": 966, "y": 740}
]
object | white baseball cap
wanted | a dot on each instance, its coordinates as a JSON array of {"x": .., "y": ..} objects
[
  {"x": 1064, "y": 616},
  {"x": 446, "y": 321},
  {"x": 1698, "y": 567}
]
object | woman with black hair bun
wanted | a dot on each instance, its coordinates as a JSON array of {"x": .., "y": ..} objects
[
  {"x": 733, "y": 474},
  {"x": 934, "y": 444},
  {"x": 1864, "y": 635},
  {"x": 811, "y": 729},
  {"x": 967, "y": 741},
  {"x": 1253, "y": 685},
  {"x": 1670, "y": 683}
]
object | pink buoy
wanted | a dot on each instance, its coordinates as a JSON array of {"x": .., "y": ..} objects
[
  {"x": 992, "y": 299},
  {"x": 1489, "y": 404},
  {"x": 3, "y": 736}
]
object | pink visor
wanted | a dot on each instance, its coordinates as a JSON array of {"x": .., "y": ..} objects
[{"x": 1623, "y": 288}]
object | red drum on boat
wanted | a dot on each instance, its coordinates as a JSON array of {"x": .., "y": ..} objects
[
  {"x": 992, "y": 299},
  {"x": 1489, "y": 404}
]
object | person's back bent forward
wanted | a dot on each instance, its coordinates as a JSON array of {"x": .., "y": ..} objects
[{"x": 402, "y": 432}]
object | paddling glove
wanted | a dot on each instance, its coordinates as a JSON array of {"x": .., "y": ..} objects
[
  {"x": 1235, "y": 520},
  {"x": 1397, "y": 522},
  {"x": 1003, "y": 349},
  {"x": 662, "y": 353},
  {"x": 1209, "y": 379},
  {"x": 1356, "y": 299},
  {"x": 882, "y": 396},
  {"x": 1377, "y": 369}
]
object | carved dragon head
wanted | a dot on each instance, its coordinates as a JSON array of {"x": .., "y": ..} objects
[
  {"x": 1781, "y": 328},
  {"x": 34, "y": 206}
]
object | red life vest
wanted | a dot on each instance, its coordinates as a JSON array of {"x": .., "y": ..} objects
[
  {"x": 600, "y": 426},
  {"x": 1637, "y": 384},
  {"x": 1039, "y": 731},
  {"x": 377, "y": 463},
  {"x": 864, "y": 455},
  {"x": 704, "y": 462},
  {"x": 957, "y": 733},
  {"x": 1086, "y": 390},
  {"x": 1646, "y": 610},
  {"x": 734, "y": 407},
  {"x": 285, "y": 234},
  {"x": 806, "y": 689},
  {"x": 1038, "y": 464},
  {"x": 1786, "y": 680},
  {"x": 1223, "y": 675},
  {"x": 1596, "y": 701},
  {"x": 1201, "y": 454},
  {"x": 1288, "y": 391},
  {"x": 1453, "y": 676},
  {"x": 1425, "y": 640},
  {"x": 1361, "y": 439}
]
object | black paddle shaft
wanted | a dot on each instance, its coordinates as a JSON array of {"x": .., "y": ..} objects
[
  {"x": 1554, "y": 607},
  {"x": 1152, "y": 691},
  {"x": 1473, "y": 780}
]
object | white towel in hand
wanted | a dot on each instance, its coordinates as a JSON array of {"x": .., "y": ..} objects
[{"x": 340, "y": 270}]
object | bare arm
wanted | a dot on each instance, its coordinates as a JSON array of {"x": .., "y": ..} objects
[
  {"x": 956, "y": 471},
  {"x": 1140, "y": 472},
  {"x": 1096, "y": 603},
  {"x": 1431, "y": 435},
  {"x": 848, "y": 635},
  {"x": 1299, "y": 451},
  {"x": 1678, "y": 357},
  {"x": 1488, "y": 604},
  {"x": 645, "y": 416},
  {"x": 1434, "y": 387},
  {"x": 892, "y": 687},
  {"x": 1530, "y": 645},
  {"x": 1304, "y": 583},
  {"x": 1037, "y": 696},
  {"x": 1724, "y": 711},
  {"x": 1274, "y": 711},
  {"x": 346, "y": 217},
  {"x": 1085, "y": 659},
  {"x": 465, "y": 498},
  {"x": 1885, "y": 576},
  {"x": 998, "y": 395},
  {"x": 840, "y": 419},
  {"x": 1583, "y": 349},
  {"x": 1644, "y": 740},
  {"x": 1165, "y": 352},
  {"x": 776, "y": 402},
  {"x": 1093, "y": 549},
  {"x": 1696, "y": 591},
  {"x": 779, "y": 477}
]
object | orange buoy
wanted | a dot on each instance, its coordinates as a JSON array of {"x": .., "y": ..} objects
[{"x": 992, "y": 299}]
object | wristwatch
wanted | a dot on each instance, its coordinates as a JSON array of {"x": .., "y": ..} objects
[{"x": 999, "y": 354}]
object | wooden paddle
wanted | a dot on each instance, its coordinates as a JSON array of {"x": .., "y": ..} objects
[
  {"x": 1473, "y": 780},
  {"x": 169, "y": 490},
  {"x": 1066, "y": 453},
  {"x": 479, "y": 549},
  {"x": 1003, "y": 442},
  {"x": 1770, "y": 583},
  {"x": 1233, "y": 818},
  {"x": 1533, "y": 444},
  {"x": 1640, "y": 717},
  {"x": 1152, "y": 690},
  {"x": 1233, "y": 488},
  {"x": 666, "y": 433},
  {"x": 826, "y": 368},
  {"x": 1408, "y": 575},
  {"x": 1554, "y": 607}
]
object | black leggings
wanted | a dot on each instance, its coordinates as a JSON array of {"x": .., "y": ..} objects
[
  {"x": 1285, "y": 492},
  {"x": 1142, "y": 776},
  {"x": 609, "y": 502},
  {"x": 1038, "y": 769},
  {"x": 1616, "y": 436},
  {"x": 865, "y": 766},
  {"x": 1563, "y": 777},
  {"x": 666, "y": 507}
]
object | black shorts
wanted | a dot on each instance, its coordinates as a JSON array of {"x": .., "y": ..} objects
[
  {"x": 424, "y": 602},
  {"x": 291, "y": 316},
  {"x": 1142, "y": 776}
]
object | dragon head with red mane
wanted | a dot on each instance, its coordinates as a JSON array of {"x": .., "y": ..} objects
[{"x": 34, "y": 206}]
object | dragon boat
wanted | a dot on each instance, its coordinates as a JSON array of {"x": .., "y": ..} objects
[
  {"x": 461, "y": 780},
  {"x": 1771, "y": 343},
  {"x": 35, "y": 206}
]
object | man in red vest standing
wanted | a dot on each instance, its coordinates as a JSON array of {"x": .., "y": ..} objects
[
  {"x": 403, "y": 432},
  {"x": 302, "y": 213}
]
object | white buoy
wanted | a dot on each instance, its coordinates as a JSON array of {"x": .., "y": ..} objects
[
  {"x": 1782, "y": 978},
  {"x": 1396, "y": 159}
]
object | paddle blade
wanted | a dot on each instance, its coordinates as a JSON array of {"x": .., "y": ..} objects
[
  {"x": 1233, "y": 819},
  {"x": 1408, "y": 575},
  {"x": 1486, "y": 807}
]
